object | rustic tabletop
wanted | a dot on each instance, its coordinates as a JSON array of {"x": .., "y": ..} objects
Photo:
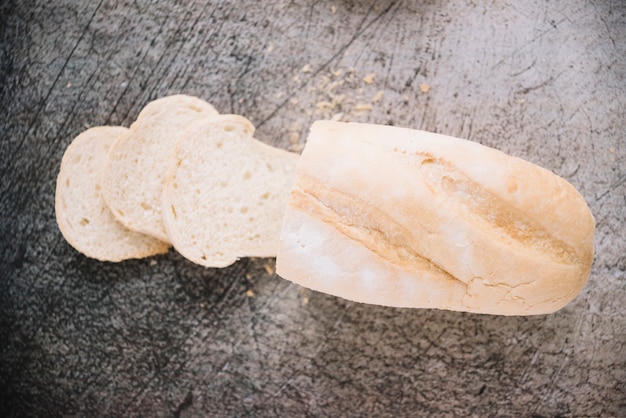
[{"x": 540, "y": 80}]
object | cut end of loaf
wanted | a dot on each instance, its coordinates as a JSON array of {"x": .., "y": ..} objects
[{"x": 226, "y": 192}]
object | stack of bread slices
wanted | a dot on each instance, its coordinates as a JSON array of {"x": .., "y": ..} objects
[{"x": 182, "y": 175}]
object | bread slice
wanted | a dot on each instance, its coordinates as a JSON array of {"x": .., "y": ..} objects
[
  {"x": 84, "y": 219},
  {"x": 226, "y": 193},
  {"x": 137, "y": 164},
  {"x": 407, "y": 218}
]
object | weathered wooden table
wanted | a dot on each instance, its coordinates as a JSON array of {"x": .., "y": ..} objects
[{"x": 544, "y": 81}]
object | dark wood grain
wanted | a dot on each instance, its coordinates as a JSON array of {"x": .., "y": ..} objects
[{"x": 162, "y": 337}]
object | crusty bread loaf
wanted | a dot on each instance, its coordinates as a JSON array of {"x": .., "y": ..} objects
[
  {"x": 84, "y": 219},
  {"x": 226, "y": 193},
  {"x": 135, "y": 170},
  {"x": 406, "y": 218}
]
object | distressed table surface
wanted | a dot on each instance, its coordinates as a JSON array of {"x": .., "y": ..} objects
[{"x": 541, "y": 80}]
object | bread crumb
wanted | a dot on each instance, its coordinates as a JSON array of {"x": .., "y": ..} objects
[
  {"x": 363, "y": 107},
  {"x": 305, "y": 300},
  {"x": 612, "y": 150},
  {"x": 270, "y": 47},
  {"x": 153, "y": 263},
  {"x": 333, "y": 9},
  {"x": 307, "y": 68},
  {"x": 405, "y": 98},
  {"x": 324, "y": 105},
  {"x": 248, "y": 276},
  {"x": 293, "y": 138},
  {"x": 69, "y": 85},
  {"x": 337, "y": 117},
  {"x": 424, "y": 87},
  {"x": 249, "y": 293},
  {"x": 378, "y": 96},
  {"x": 296, "y": 147},
  {"x": 269, "y": 269},
  {"x": 369, "y": 79}
]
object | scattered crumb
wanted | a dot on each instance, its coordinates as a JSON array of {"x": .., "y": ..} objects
[
  {"x": 294, "y": 133},
  {"x": 296, "y": 78},
  {"x": 424, "y": 87},
  {"x": 305, "y": 300},
  {"x": 202, "y": 305},
  {"x": 294, "y": 101},
  {"x": 363, "y": 107},
  {"x": 379, "y": 95},
  {"x": 307, "y": 68},
  {"x": 369, "y": 79},
  {"x": 337, "y": 117},
  {"x": 333, "y": 9},
  {"x": 324, "y": 105},
  {"x": 296, "y": 147},
  {"x": 612, "y": 150},
  {"x": 270, "y": 47},
  {"x": 69, "y": 85},
  {"x": 269, "y": 269},
  {"x": 279, "y": 94},
  {"x": 153, "y": 263},
  {"x": 405, "y": 98},
  {"x": 248, "y": 276},
  {"x": 249, "y": 293}
]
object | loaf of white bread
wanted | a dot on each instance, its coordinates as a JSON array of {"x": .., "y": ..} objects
[{"x": 407, "y": 218}]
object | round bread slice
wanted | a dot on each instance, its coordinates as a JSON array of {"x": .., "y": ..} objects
[
  {"x": 226, "y": 193},
  {"x": 137, "y": 164},
  {"x": 84, "y": 219}
]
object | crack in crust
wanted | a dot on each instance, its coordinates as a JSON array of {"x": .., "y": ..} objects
[
  {"x": 369, "y": 226},
  {"x": 443, "y": 178}
]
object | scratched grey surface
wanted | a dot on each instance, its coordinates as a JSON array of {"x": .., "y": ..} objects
[{"x": 162, "y": 337}]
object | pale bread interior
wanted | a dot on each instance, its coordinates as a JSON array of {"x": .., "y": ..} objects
[
  {"x": 137, "y": 164},
  {"x": 82, "y": 215},
  {"x": 226, "y": 193}
]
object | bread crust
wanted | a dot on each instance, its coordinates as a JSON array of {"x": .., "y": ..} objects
[{"x": 436, "y": 221}]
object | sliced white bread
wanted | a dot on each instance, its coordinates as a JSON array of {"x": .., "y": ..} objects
[
  {"x": 84, "y": 219},
  {"x": 226, "y": 193},
  {"x": 137, "y": 164}
]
